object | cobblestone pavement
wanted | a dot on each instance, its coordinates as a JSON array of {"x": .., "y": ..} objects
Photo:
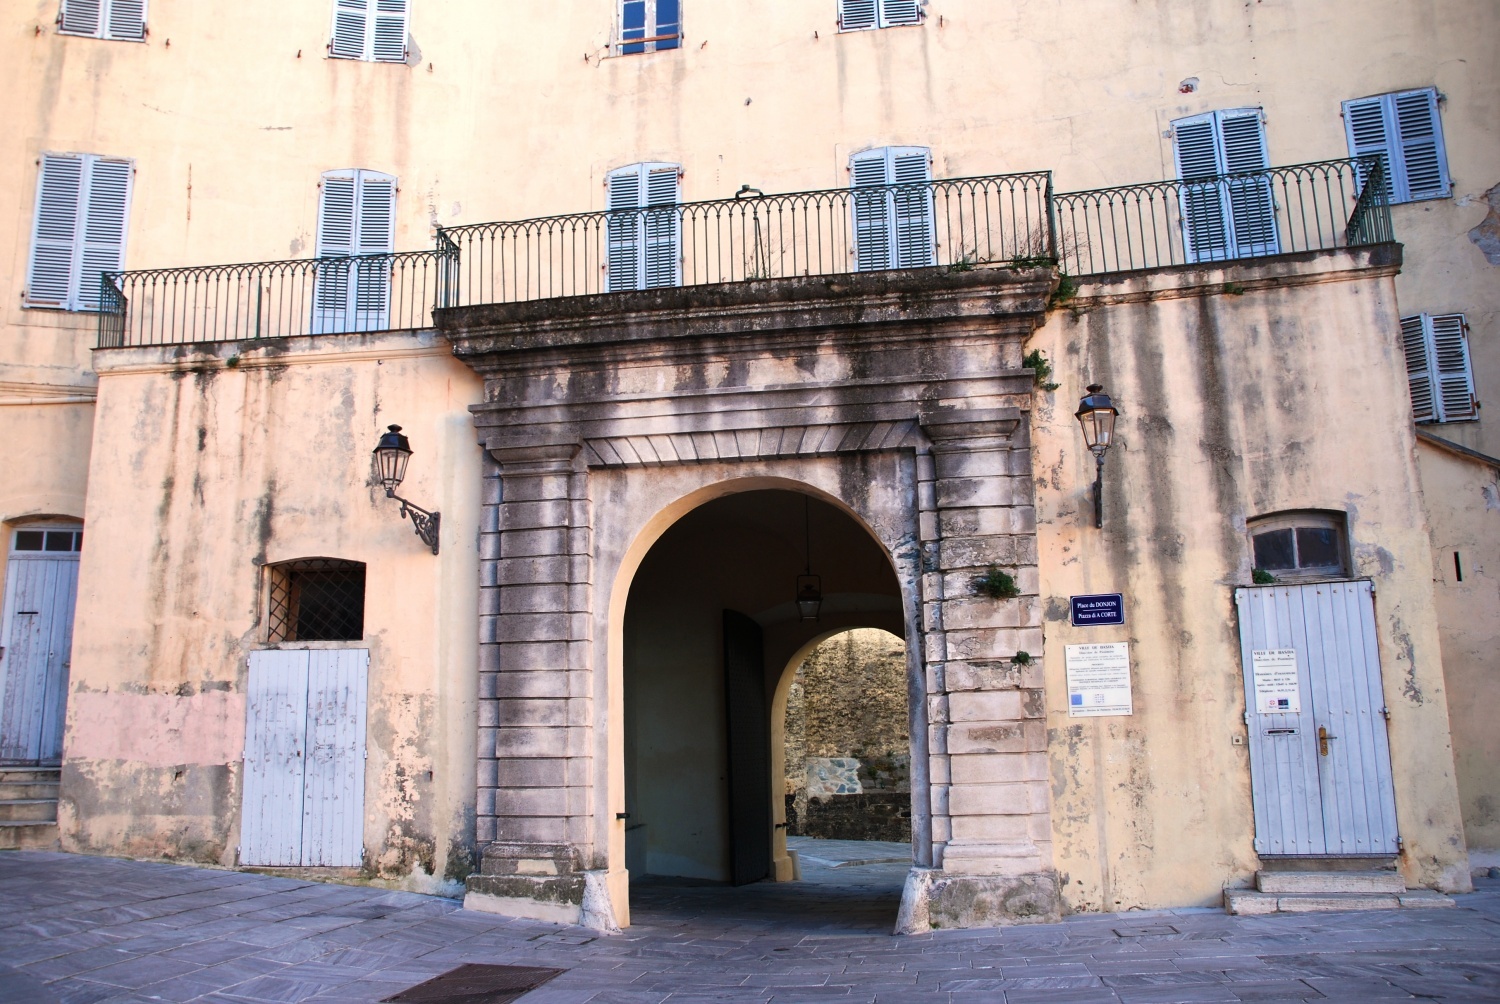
[{"x": 81, "y": 930}]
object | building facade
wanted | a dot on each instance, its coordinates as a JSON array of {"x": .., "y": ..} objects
[{"x": 649, "y": 408}]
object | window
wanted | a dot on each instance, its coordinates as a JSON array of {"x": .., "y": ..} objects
[
  {"x": 120, "y": 20},
  {"x": 1226, "y": 213},
  {"x": 315, "y": 599},
  {"x": 1300, "y": 545},
  {"x": 892, "y": 204},
  {"x": 1437, "y": 368},
  {"x": 1406, "y": 133},
  {"x": 650, "y": 25},
  {"x": 861, "y": 15},
  {"x": 644, "y": 229},
  {"x": 373, "y": 30},
  {"x": 356, "y": 216},
  {"x": 49, "y": 540},
  {"x": 82, "y": 204}
]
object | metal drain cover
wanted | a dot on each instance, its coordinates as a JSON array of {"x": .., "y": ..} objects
[{"x": 476, "y": 984}]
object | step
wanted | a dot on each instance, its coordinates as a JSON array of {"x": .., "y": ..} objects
[
  {"x": 1248, "y": 902},
  {"x": 30, "y": 775},
  {"x": 1378, "y": 882},
  {"x": 38, "y": 836},
  {"x": 28, "y": 810},
  {"x": 27, "y": 789}
]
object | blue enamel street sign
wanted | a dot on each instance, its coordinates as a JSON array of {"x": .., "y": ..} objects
[{"x": 1104, "y": 608}]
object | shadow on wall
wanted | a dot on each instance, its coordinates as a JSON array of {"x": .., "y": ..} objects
[{"x": 848, "y": 760}]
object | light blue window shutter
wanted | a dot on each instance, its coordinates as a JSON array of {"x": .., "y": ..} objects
[
  {"x": 856, "y": 15},
  {"x": 126, "y": 20},
  {"x": 388, "y": 44},
  {"x": 351, "y": 29},
  {"x": 1205, "y": 227},
  {"x": 375, "y": 234},
  {"x": 59, "y": 198},
  {"x": 106, "y": 212},
  {"x": 1367, "y": 130},
  {"x": 870, "y": 201},
  {"x": 81, "y": 17},
  {"x": 663, "y": 227},
  {"x": 1455, "y": 378},
  {"x": 912, "y": 205},
  {"x": 900, "y": 12},
  {"x": 1414, "y": 344},
  {"x": 336, "y": 240},
  {"x": 1252, "y": 211},
  {"x": 623, "y": 229},
  {"x": 1420, "y": 130}
]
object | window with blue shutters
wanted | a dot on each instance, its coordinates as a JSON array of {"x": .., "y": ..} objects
[
  {"x": 649, "y": 26},
  {"x": 356, "y": 235},
  {"x": 891, "y": 203},
  {"x": 118, "y": 20},
  {"x": 372, "y": 30},
  {"x": 78, "y": 232},
  {"x": 644, "y": 230},
  {"x": 1438, "y": 369},
  {"x": 863, "y": 15},
  {"x": 1227, "y": 207},
  {"x": 1405, "y": 132}
]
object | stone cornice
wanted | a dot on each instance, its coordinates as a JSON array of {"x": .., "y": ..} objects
[
  {"x": 19, "y": 392},
  {"x": 922, "y": 302}
]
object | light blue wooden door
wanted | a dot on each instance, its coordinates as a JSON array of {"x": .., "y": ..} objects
[
  {"x": 305, "y": 758},
  {"x": 1320, "y": 762},
  {"x": 36, "y": 642}
]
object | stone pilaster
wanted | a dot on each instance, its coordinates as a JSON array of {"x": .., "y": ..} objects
[
  {"x": 535, "y": 799},
  {"x": 992, "y": 833}
]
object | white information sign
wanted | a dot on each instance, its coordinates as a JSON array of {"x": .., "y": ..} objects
[
  {"x": 1099, "y": 680},
  {"x": 1276, "y": 689}
]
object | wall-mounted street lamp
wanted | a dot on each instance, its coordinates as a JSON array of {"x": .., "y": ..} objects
[
  {"x": 1096, "y": 413},
  {"x": 809, "y": 586},
  {"x": 391, "y": 455}
]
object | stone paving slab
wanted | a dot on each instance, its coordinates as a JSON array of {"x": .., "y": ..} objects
[{"x": 86, "y": 930}]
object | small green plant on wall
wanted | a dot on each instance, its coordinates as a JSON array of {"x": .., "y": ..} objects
[
  {"x": 1021, "y": 658},
  {"x": 997, "y": 584},
  {"x": 1035, "y": 361},
  {"x": 1261, "y": 577}
]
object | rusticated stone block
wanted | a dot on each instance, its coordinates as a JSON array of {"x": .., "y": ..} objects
[{"x": 964, "y": 901}]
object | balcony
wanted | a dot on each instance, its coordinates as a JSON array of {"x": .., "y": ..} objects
[{"x": 956, "y": 224}]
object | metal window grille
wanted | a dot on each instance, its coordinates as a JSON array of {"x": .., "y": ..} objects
[{"x": 315, "y": 599}]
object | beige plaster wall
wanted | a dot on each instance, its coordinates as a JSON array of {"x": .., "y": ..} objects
[
  {"x": 232, "y": 112},
  {"x": 207, "y": 466},
  {"x": 1232, "y": 406},
  {"x": 1462, "y": 496}
]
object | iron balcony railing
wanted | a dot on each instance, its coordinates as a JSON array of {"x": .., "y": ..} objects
[
  {"x": 955, "y": 223},
  {"x": 1282, "y": 210},
  {"x": 961, "y": 223},
  {"x": 275, "y": 299}
]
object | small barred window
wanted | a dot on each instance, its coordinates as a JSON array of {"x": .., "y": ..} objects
[{"x": 315, "y": 599}]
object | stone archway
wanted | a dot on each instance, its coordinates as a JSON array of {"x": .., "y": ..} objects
[
  {"x": 897, "y": 397},
  {"x": 698, "y": 743}
]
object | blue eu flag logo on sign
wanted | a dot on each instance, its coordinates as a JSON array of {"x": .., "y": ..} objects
[{"x": 1075, "y": 700}]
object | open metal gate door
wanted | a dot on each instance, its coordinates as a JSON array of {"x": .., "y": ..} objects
[
  {"x": 1320, "y": 762},
  {"x": 749, "y": 734}
]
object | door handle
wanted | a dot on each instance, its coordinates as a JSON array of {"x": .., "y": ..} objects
[{"x": 1323, "y": 738}]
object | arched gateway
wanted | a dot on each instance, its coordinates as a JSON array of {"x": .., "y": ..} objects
[{"x": 895, "y": 401}]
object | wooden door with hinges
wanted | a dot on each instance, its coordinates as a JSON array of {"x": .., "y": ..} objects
[
  {"x": 36, "y": 641},
  {"x": 1320, "y": 762}
]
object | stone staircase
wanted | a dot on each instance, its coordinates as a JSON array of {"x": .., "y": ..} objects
[
  {"x": 1318, "y": 891},
  {"x": 28, "y": 808}
]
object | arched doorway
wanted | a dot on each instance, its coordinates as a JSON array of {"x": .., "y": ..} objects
[{"x": 712, "y": 635}]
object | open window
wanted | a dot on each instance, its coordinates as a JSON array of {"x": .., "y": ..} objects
[
  {"x": 315, "y": 599},
  {"x": 1299, "y": 546},
  {"x": 649, "y": 26}
]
